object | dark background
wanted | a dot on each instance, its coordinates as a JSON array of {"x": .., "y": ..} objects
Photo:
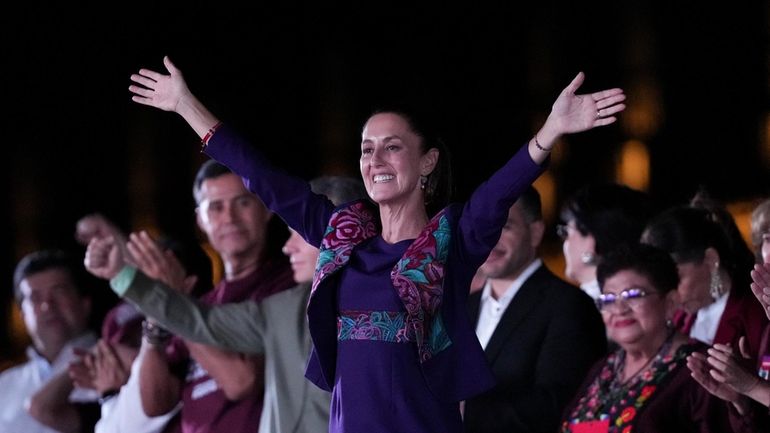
[{"x": 300, "y": 79}]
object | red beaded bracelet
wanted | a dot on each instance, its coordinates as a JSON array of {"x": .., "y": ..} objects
[
  {"x": 205, "y": 139},
  {"x": 544, "y": 149}
]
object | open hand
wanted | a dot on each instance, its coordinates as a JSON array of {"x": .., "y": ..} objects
[
  {"x": 727, "y": 369},
  {"x": 156, "y": 263},
  {"x": 700, "y": 371},
  {"x": 158, "y": 90},
  {"x": 104, "y": 368},
  {"x": 760, "y": 285},
  {"x": 575, "y": 113}
]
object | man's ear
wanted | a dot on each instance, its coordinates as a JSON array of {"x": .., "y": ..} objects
[
  {"x": 199, "y": 219},
  {"x": 537, "y": 231},
  {"x": 711, "y": 257}
]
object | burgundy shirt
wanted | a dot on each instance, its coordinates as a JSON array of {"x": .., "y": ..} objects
[{"x": 205, "y": 408}]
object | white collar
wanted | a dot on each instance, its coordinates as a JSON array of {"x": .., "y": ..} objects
[
  {"x": 707, "y": 320},
  {"x": 63, "y": 358},
  {"x": 592, "y": 289}
]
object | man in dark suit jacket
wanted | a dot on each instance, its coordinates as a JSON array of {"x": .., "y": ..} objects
[{"x": 540, "y": 334}]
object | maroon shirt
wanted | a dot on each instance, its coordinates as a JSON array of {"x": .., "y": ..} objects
[{"x": 205, "y": 408}]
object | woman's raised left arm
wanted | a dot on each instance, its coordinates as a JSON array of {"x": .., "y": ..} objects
[{"x": 485, "y": 213}]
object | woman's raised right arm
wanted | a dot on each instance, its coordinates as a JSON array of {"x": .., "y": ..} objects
[
  {"x": 170, "y": 93},
  {"x": 288, "y": 196}
]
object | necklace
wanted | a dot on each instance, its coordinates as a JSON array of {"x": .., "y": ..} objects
[{"x": 617, "y": 383}]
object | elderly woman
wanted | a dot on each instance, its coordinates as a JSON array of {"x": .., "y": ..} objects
[
  {"x": 716, "y": 305},
  {"x": 597, "y": 219},
  {"x": 645, "y": 386},
  {"x": 391, "y": 339}
]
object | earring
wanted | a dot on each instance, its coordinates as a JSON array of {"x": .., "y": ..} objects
[
  {"x": 587, "y": 257},
  {"x": 716, "y": 288},
  {"x": 423, "y": 182}
]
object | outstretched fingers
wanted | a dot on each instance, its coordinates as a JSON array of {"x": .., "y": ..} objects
[
  {"x": 144, "y": 255},
  {"x": 170, "y": 67},
  {"x": 610, "y": 100},
  {"x": 149, "y": 74},
  {"x": 609, "y": 111},
  {"x": 576, "y": 83},
  {"x": 603, "y": 121},
  {"x": 760, "y": 285},
  {"x": 697, "y": 367},
  {"x": 144, "y": 81},
  {"x": 608, "y": 93},
  {"x": 761, "y": 274}
]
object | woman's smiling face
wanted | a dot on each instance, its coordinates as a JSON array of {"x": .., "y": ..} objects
[{"x": 392, "y": 160}]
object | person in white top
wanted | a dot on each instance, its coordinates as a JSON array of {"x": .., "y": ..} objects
[
  {"x": 540, "y": 334},
  {"x": 50, "y": 288},
  {"x": 597, "y": 219},
  {"x": 715, "y": 301}
]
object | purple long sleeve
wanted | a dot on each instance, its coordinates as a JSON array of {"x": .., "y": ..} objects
[
  {"x": 485, "y": 213},
  {"x": 288, "y": 196}
]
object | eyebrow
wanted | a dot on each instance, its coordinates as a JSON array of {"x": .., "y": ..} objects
[
  {"x": 219, "y": 200},
  {"x": 387, "y": 139}
]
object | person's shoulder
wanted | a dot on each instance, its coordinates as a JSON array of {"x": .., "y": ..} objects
[
  {"x": 552, "y": 283},
  {"x": 561, "y": 294},
  {"x": 288, "y": 296},
  {"x": 745, "y": 304},
  {"x": 361, "y": 202},
  {"x": 15, "y": 372}
]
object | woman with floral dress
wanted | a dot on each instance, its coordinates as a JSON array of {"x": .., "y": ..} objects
[{"x": 645, "y": 385}]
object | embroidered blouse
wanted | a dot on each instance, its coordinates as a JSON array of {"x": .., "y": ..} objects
[{"x": 663, "y": 398}]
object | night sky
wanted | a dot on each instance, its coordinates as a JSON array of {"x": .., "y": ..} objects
[{"x": 299, "y": 81}]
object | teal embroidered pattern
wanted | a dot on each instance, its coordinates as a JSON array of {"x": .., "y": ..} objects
[
  {"x": 372, "y": 325},
  {"x": 418, "y": 277}
]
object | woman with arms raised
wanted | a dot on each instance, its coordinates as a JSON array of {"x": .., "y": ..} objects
[{"x": 391, "y": 339}]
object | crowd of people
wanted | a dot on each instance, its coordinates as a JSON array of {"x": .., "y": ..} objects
[{"x": 374, "y": 323}]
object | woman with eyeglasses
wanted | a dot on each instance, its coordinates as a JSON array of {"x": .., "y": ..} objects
[
  {"x": 644, "y": 385},
  {"x": 596, "y": 219}
]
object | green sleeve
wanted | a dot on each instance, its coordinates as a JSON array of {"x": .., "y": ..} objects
[{"x": 238, "y": 327}]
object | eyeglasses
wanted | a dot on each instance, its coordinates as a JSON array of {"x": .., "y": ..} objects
[
  {"x": 562, "y": 231},
  {"x": 631, "y": 297}
]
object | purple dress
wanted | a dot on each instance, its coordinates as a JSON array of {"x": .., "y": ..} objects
[
  {"x": 394, "y": 386},
  {"x": 381, "y": 380}
]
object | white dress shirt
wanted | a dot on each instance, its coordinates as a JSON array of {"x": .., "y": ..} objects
[
  {"x": 491, "y": 309},
  {"x": 592, "y": 289},
  {"x": 707, "y": 320},
  {"x": 19, "y": 383}
]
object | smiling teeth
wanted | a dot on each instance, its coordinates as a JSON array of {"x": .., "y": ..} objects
[{"x": 383, "y": 178}]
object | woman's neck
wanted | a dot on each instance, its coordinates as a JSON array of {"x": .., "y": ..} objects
[
  {"x": 402, "y": 221},
  {"x": 639, "y": 356}
]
